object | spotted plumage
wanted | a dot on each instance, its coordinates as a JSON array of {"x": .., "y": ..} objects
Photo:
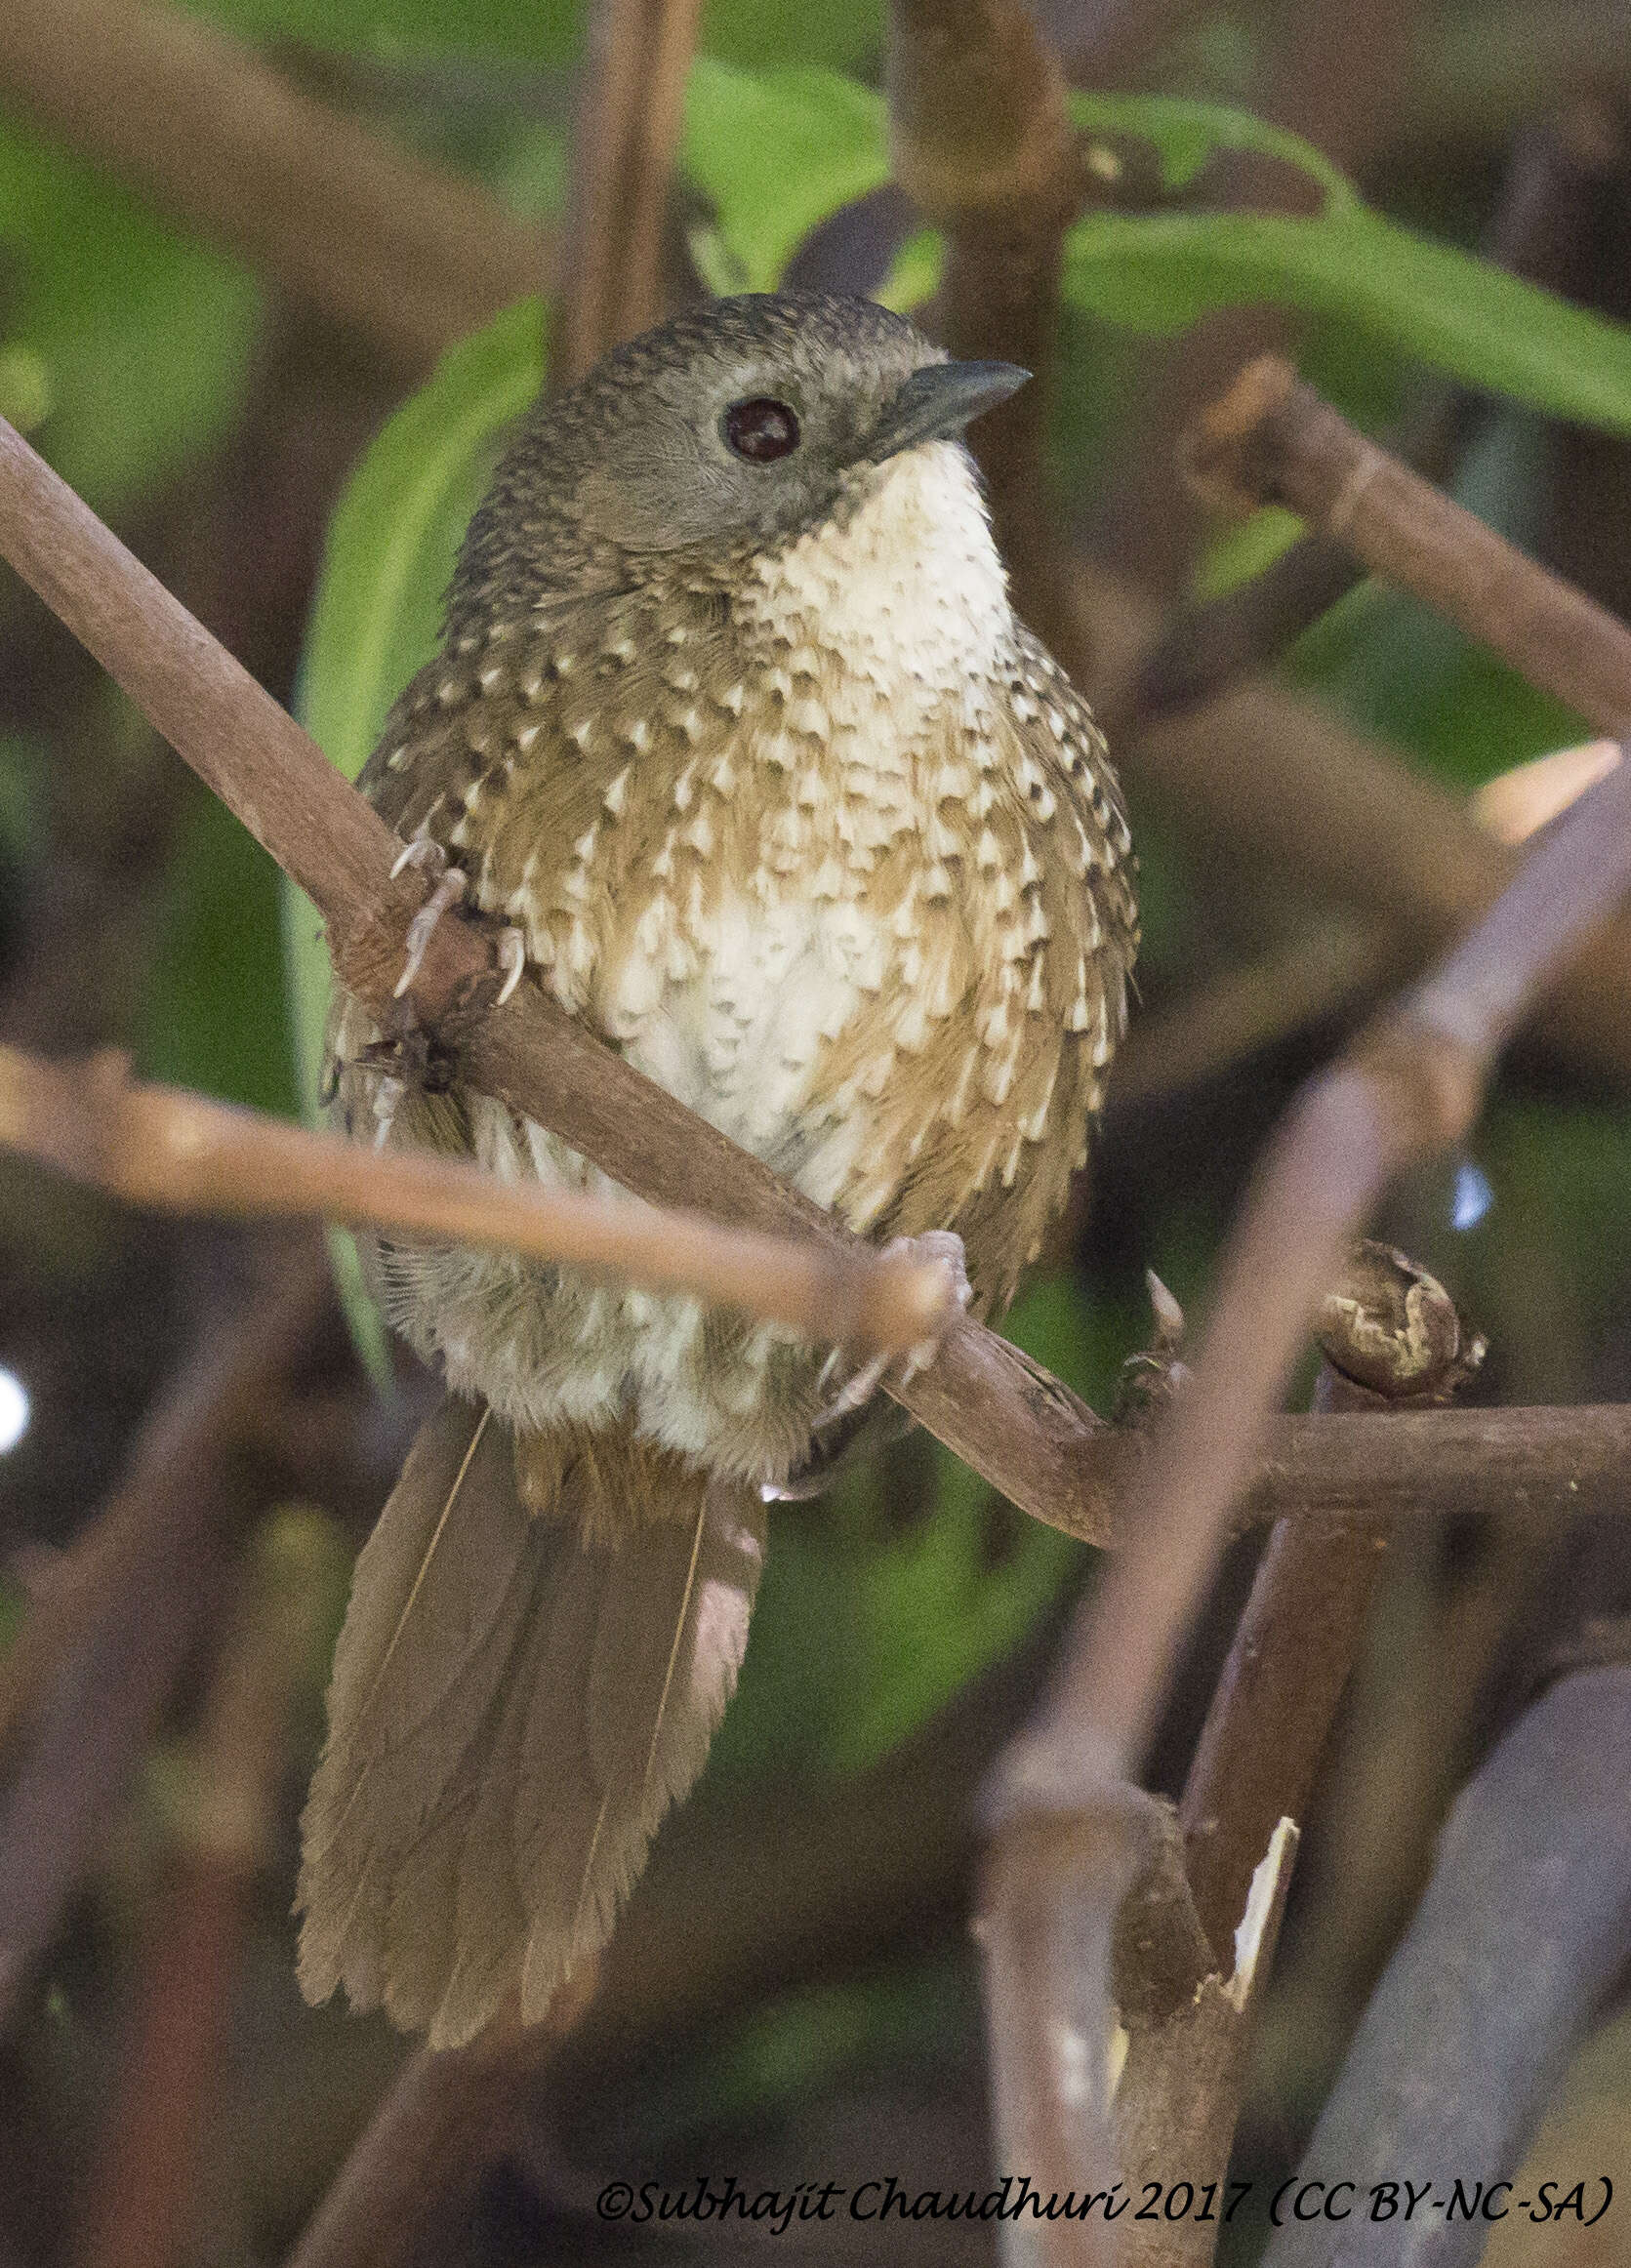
[{"x": 783, "y": 801}]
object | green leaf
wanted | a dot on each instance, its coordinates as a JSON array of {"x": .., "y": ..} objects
[
  {"x": 915, "y": 272},
  {"x": 1163, "y": 271},
  {"x": 210, "y": 1008},
  {"x": 765, "y": 32},
  {"x": 1238, "y": 554},
  {"x": 376, "y": 619},
  {"x": 129, "y": 345},
  {"x": 1188, "y": 135},
  {"x": 377, "y": 614},
  {"x": 776, "y": 155},
  {"x": 396, "y": 529}
]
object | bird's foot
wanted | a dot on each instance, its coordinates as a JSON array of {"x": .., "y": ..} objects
[
  {"x": 936, "y": 1245},
  {"x": 451, "y": 885}
]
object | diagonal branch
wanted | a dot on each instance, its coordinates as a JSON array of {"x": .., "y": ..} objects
[
  {"x": 1272, "y": 440},
  {"x": 1409, "y": 1086}
]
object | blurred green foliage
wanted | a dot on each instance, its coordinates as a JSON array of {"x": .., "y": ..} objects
[
  {"x": 546, "y": 33},
  {"x": 127, "y": 345}
]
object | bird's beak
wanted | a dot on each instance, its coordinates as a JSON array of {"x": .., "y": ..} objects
[{"x": 937, "y": 402}]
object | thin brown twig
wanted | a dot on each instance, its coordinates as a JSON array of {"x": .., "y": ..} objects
[
  {"x": 1272, "y": 440},
  {"x": 143, "y": 2180},
  {"x": 630, "y": 108},
  {"x": 215, "y": 138},
  {"x": 163, "y": 1147}
]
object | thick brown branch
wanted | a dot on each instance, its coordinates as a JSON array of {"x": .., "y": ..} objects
[
  {"x": 1519, "y": 1938},
  {"x": 1188, "y": 2017},
  {"x": 158, "y": 1145},
  {"x": 630, "y": 110},
  {"x": 1536, "y": 1464},
  {"x": 216, "y": 139},
  {"x": 1272, "y": 440}
]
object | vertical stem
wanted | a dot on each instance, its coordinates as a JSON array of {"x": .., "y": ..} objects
[{"x": 630, "y": 116}]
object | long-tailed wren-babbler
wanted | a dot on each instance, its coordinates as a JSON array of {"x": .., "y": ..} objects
[{"x": 734, "y": 724}]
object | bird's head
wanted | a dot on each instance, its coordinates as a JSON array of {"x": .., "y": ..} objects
[{"x": 726, "y": 432}]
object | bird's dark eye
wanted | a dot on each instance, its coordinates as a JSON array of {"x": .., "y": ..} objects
[{"x": 760, "y": 428}]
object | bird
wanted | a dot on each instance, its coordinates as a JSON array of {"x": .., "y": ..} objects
[{"x": 734, "y": 728}]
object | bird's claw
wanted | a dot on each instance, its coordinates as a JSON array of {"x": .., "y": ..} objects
[
  {"x": 427, "y": 854},
  {"x": 424, "y": 851},
  {"x": 937, "y": 1244},
  {"x": 447, "y": 893},
  {"x": 513, "y": 959}
]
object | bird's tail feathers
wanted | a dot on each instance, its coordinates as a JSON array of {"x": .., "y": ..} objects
[{"x": 520, "y": 1691}]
